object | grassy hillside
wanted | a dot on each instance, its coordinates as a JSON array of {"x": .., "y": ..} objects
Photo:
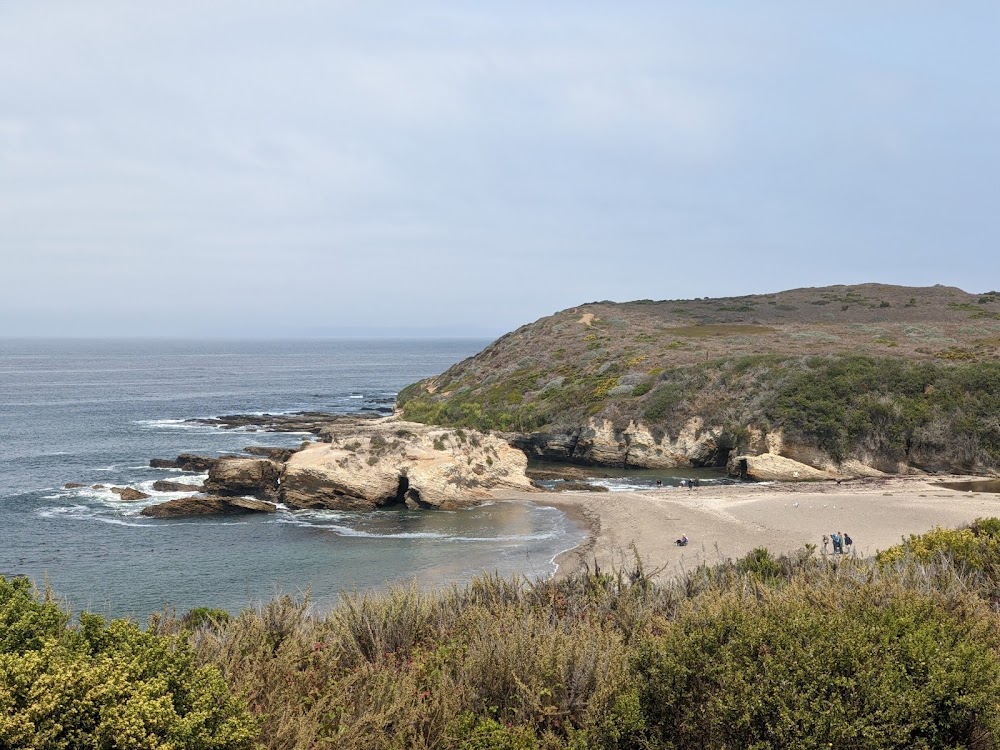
[{"x": 894, "y": 373}]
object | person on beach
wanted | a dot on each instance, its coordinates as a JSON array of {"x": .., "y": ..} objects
[
  {"x": 848, "y": 542},
  {"x": 835, "y": 537},
  {"x": 682, "y": 542},
  {"x": 826, "y": 541}
]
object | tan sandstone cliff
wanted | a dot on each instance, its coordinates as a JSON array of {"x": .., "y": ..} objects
[{"x": 376, "y": 463}]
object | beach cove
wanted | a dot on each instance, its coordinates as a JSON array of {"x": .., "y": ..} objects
[{"x": 727, "y": 521}]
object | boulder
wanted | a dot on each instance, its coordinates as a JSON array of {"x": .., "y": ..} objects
[
  {"x": 129, "y": 494},
  {"x": 163, "y": 463},
  {"x": 250, "y": 505},
  {"x": 770, "y": 467},
  {"x": 164, "y": 485},
  {"x": 244, "y": 476},
  {"x": 206, "y": 505},
  {"x": 73, "y": 485}
]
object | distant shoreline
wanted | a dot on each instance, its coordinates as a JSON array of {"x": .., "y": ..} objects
[{"x": 728, "y": 521}]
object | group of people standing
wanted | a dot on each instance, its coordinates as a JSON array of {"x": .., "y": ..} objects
[{"x": 842, "y": 542}]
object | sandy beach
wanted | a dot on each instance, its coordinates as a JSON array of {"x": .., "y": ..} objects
[{"x": 728, "y": 521}]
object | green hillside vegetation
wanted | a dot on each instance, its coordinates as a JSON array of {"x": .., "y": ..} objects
[
  {"x": 805, "y": 651},
  {"x": 906, "y": 374}
]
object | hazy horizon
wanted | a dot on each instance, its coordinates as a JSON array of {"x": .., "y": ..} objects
[{"x": 302, "y": 169}]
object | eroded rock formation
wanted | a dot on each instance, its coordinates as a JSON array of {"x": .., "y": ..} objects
[
  {"x": 232, "y": 477},
  {"x": 377, "y": 463}
]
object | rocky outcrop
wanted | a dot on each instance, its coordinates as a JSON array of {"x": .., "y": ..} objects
[
  {"x": 205, "y": 505},
  {"x": 244, "y": 476},
  {"x": 275, "y": 454},
  {"x": 164, "y": 485},
  {"x": 129, "y": 494},
  {"x": 73, "y": 485},
  {"x": 769, "y": 467},
  {"x": 601, "y": 443},
  {"x": 306, "y": 421},
  {"x": 185, "y": 461},
  {"x": 579, "y": 487},
  {"x": 377, "y": 463}
]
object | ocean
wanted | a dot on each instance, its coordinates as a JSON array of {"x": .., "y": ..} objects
[{"x": 96, "y": 412}]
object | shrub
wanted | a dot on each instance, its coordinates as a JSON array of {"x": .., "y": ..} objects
[
  {"x": 809, "y": 667},
  {"x": 642, "y": 389},
  {"x": 759, "y": 563},
  {"x": 975, "y": 548},
  {"x": 106, "y": 685}
]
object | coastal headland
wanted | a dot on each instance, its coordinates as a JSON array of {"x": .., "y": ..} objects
[{"x": 846, "y": 404}]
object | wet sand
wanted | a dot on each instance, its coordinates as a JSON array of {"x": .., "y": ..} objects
[{"x": 729, "y": 521}]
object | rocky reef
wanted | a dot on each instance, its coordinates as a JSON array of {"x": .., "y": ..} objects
[{"x": 356, "y": 464}]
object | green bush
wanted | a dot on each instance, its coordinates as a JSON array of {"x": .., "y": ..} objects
[
  {"x": 760, "y": 563},
  {"x": 816, "y": 667},
  {"x": 105, "y": 685},
  {"x": 975, "y": 548}
]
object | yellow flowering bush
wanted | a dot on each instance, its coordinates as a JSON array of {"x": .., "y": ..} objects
[{"x": 105, "y": 685}]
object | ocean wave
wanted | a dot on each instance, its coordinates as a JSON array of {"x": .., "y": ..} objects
[{"x": 86, "y": 513}]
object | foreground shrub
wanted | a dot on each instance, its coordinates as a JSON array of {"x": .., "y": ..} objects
[
  {"x": 975, "y": 547},
  {"x": 104, "y": 685},
  {"x": 872, "y": 666}
]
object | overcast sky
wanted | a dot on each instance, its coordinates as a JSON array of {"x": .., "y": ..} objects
[{"x": 307, "y": 167}]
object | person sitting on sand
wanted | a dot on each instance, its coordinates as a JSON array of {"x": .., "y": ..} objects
[{"x": 682, "y": 541}]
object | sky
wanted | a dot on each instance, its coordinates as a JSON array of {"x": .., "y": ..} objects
[{"x": 327, "y": 168}]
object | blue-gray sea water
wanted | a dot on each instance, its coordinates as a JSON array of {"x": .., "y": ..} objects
[{"x": 95, "y": 412}]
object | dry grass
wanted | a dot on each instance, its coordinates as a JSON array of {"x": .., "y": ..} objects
[{"x": 518, "y": 663}]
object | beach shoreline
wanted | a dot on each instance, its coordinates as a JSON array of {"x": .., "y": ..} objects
[{"x": 728, "y": 521}]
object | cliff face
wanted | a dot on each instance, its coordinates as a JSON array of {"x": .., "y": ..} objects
[{"x": 848, "y": 380}]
